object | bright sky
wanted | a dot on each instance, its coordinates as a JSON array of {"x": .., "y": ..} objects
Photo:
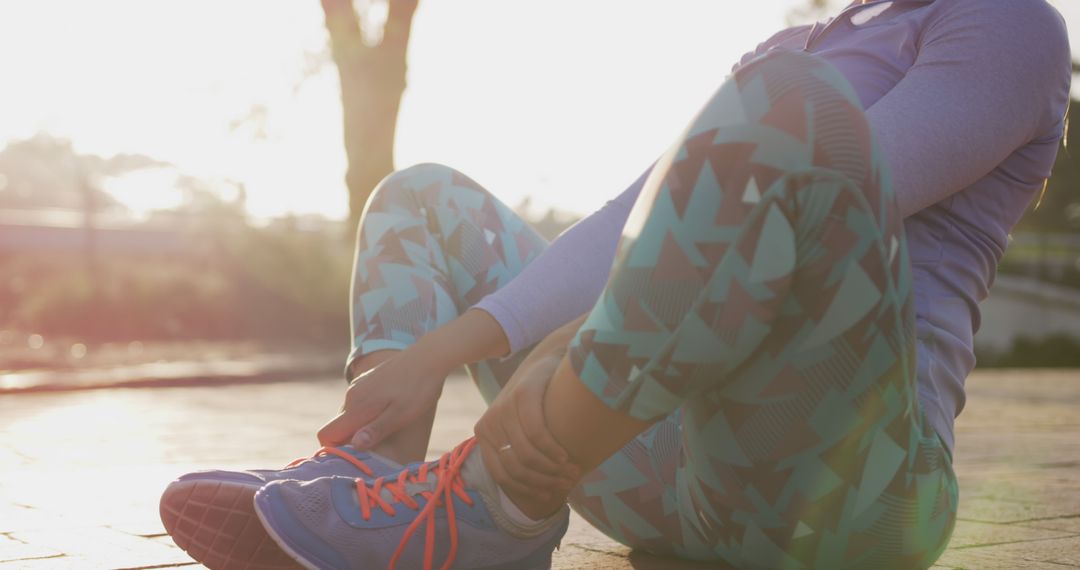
[{"x": 563, "y": 100}]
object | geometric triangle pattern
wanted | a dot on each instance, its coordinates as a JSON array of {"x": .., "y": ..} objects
[
  {"x": 760, "y": 308},
  {"x": 431, "y": 243},
  {"x": 775, "y": 325}
]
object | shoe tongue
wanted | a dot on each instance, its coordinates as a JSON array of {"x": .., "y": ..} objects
[
  {"x": 413, "y": 488},
  {"x": 434, "y": 472}
]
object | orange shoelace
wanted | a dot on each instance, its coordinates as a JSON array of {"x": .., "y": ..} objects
[
  {"x": 336, "y": 452},
  {"x": 450, "y": 483}
]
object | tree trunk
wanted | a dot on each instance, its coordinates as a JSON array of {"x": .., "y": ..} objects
[{"x": 372, "y": 82}]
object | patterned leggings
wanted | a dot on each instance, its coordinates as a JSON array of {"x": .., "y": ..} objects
[{"x": 760, "y": 304}]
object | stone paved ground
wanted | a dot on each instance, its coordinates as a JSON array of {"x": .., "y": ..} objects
[{"x": 81, "y": 472}]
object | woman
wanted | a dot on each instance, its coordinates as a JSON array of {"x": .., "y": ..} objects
[{"x": 753, "y": 355}]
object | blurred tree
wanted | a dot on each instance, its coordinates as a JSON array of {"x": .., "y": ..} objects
[
  {"x": 47, "y": 172},
  {"x": 371, "y": 66}
]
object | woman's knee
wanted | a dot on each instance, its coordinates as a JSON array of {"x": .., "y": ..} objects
[
  {"x": 781, "y": 114},
  {"x": 796, "y": 110},
  {"x": 402, "y": 187}
]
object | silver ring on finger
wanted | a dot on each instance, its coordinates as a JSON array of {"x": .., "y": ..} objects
[{"x": 505, "y": 448}]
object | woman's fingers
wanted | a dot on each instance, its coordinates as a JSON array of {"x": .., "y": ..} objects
[
  {"x": 339, "y": 430},
  {"x": 334, "y": 431},
  {"x": 389, "y": 421},
  {"x": 531, "y": 412},
  {"x": 513, "y": 462},
  {"x": 505, "y": 481},
  {"x": 525, "y": 457},
  {"x": 357, "y": 413},
  {"x": 498, "y": 471},
  {"x": 525, "y": 452},
  {"x": 500, "y": 427}
]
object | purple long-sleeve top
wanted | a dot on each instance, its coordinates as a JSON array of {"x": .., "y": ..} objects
[{"x": 967, "y": 100}]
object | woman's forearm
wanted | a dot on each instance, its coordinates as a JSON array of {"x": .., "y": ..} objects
[
  {"x": 475, "y": 336},
  {"x": 471, "y": 337}
]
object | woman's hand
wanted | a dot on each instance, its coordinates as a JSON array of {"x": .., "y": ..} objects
[
  {"x": 535, "y": 464},
  {"x": 392, "y": 396},
  {"x": 386, "y": 399}
]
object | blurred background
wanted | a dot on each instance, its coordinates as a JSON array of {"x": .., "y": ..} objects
[{"x": 180, "y": 181}]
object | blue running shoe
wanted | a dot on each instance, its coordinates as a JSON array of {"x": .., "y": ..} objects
[
  {"x": 346, "y": 523},
  {"x": 210, "y": 514}
]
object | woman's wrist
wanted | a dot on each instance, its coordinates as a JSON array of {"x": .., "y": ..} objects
[{"x": 472, "y": 337}]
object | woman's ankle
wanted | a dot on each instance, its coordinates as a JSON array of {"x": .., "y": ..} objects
[{"x": 534, "y": 508}]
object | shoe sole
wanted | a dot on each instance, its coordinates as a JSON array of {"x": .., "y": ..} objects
[{"x": 215, "y": 523}]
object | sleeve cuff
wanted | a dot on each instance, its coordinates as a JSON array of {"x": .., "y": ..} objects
[{"x": 502, "y": 315}]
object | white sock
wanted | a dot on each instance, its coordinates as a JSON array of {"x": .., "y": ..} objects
[
  {"x": 506, "y": 514},
  {"x": 511, "y": 510}
]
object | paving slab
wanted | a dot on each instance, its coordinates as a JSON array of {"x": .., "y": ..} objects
[
  {"x": 102, "y": 547},
  {"x": 83, "y": 470},
  {"x": 1067, "y": 524},
  {"x": 14, "y": 550},
  {"x": 1057, "y": 552},
  {"x": 970, "y": 533}
]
